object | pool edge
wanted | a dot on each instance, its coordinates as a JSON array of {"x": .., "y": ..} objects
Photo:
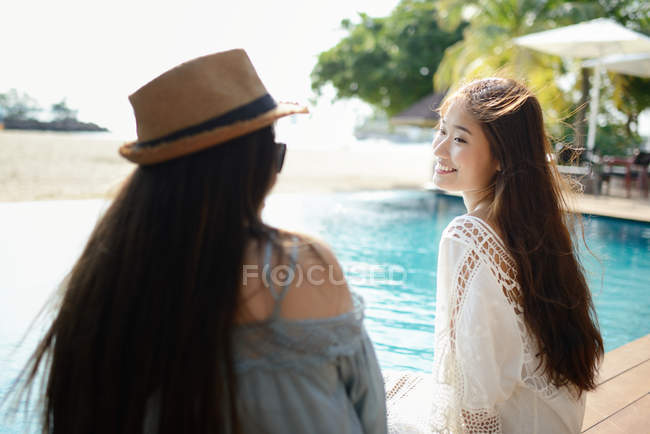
[{"x": 603, "y": 206}]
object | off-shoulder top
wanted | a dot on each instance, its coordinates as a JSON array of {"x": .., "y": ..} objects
[
  {"x": 304, "y": 376},
  {"x": 308, "y": 376}
]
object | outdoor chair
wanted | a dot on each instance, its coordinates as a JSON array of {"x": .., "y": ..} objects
[{"x": 634, "y": 168}]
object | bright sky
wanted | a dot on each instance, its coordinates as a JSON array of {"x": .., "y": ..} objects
[{"x": 96, "y": 53}]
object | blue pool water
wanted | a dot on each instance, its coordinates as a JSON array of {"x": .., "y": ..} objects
[
  {"x": 394, "y": 230},
  {"x": 386, "y": 242}
]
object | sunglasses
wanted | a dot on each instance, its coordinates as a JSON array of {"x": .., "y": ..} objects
[{"x": 282, "y": 151}]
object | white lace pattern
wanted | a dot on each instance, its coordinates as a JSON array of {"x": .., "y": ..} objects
[
  {"x": 488, "y": 248},
  {"x": 483, "y": 354}
]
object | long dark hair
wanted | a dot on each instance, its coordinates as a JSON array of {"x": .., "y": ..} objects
[
  {"x": 528, "y": 205},
  {"x": 147, "y": 312}
]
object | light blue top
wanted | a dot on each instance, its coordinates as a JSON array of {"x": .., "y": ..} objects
[{"x": 308, "y": 376}]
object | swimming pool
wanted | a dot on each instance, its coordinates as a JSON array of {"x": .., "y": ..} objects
[
  {"x": 386, "y": 242},
  {"x": 400, "y": 230}
]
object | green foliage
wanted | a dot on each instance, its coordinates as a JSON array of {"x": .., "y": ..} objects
[
  {"x": 381, "y": 59},
  {"x": 19, "y": 106},
  {"x": 61, "y": 111},
  {"x": 613, "y": 139},
  {"x": 634, "y": 14},
  {"x": 631, "y": 96},
  {"x": 387, "y": 62},
  {"x": 487, "y": 49}
]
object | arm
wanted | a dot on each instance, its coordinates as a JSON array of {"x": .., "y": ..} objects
[
  {"x": 320, "y": 289},
  {"x": 365, "y": 386},
  {"x": 324, "y": 293},
  {"x": 478, "y": 347}
]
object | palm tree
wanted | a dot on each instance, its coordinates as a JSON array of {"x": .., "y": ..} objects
[{"x": 487, "y": 47}]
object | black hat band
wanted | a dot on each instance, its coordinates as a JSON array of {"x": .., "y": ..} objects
[{"x": 248, "y": 111}]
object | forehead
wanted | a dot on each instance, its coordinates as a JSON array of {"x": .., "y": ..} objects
[
  {"x": 456, "y": 115},
  {"x": 455, "y": 112}
]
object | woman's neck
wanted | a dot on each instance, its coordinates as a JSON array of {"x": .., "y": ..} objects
[{"x": 476, "y": 203}]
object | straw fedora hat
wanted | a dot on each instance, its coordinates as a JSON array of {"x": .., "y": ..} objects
[{"x": 199, "y": 104}]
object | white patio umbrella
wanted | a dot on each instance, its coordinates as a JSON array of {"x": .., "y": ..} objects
[
  {"x": 591, "y": 39},
  {"x": 630, "y": 64}
]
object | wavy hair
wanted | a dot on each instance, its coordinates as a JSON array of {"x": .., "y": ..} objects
[{"x": 528, "y": 205}]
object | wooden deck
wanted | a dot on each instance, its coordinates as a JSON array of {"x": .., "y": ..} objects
[
  {"x": 621, "y": 403},
  {"x": 617, "y": 207}
]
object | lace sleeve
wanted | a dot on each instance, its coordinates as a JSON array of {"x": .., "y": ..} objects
[{"x": 478, "y": 348}]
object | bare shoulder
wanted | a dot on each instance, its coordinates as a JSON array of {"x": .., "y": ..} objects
[
  {"x": 319, "y": 289},
  {"x": 313, "y": 249}
]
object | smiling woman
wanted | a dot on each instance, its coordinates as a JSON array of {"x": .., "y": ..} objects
[
  {"x": 516, "y": 339},
  {"x": 464, "y": 160}
]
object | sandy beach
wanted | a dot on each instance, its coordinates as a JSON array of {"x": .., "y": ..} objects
[
  {"x": 46, "y": 166},
  {"x": 52, "y": 166}
]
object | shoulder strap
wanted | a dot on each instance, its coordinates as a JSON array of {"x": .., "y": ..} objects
[
  {"x": 267, "y": 267},
  {"x": 282, "y": 275}
]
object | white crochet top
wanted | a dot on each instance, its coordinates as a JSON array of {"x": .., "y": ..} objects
[{"x": 485, "y": 376}]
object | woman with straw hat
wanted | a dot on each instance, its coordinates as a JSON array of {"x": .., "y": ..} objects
[{"x": 185, "y": 311}]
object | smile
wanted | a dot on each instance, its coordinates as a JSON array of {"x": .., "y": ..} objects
[{"x": 443, "y": 170}]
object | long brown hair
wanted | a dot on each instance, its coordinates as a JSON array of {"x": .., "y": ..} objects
[
  {"x": 527, "y": 203},
  {"x": 148, "y": 310}
]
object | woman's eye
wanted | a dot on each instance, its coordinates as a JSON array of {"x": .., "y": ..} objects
[
  {"x": 460, "y": 140},
  {"x": 443, "y": 132}
]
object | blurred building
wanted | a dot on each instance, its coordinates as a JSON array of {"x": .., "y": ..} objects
[{"x": 421, "y": 114}]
